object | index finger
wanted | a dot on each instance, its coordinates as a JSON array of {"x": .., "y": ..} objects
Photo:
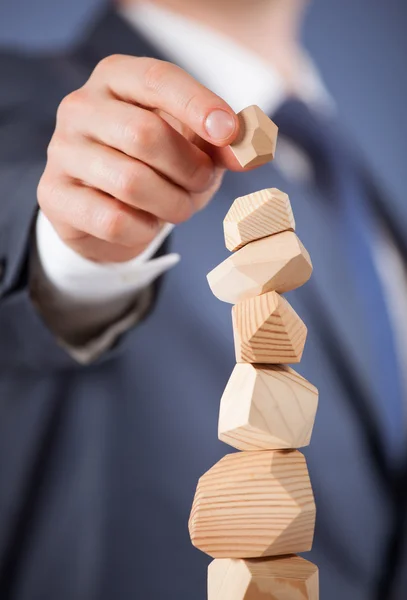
[{"x": 158, "y": 84}]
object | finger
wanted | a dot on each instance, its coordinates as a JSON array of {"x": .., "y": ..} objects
[
  {"x": 76, "y": 208},
  {"x": 159, "y": 84},
  {"x": 221, "y": 157},
  {"x": 200, "y": 201},
  {"x": 144, "y": 135},
  {"x": 129, "y": 180}
]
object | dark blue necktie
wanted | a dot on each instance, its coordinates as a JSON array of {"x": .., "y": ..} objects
[{"x": 339, "y": 181}]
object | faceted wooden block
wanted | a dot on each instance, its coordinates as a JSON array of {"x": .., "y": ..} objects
[
  {"x": 256, "y": 216},
  {"x": 256, "y": 143},
  {"x": 267, "y": 407},
  {"x": 285, "y": 578},
  {"x": 267, "y": 329},
  {"x": 254, "y": 504},
  {"x": 276, "y": 263}
]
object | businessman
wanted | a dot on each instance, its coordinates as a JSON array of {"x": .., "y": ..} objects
[{"x": 114, "y": 354}]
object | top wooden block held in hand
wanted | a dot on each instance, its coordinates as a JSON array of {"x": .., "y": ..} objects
[{"x": 256, "y": 143}]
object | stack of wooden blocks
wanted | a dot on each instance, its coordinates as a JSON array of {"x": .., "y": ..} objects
[{"x": 254, "y": 510}]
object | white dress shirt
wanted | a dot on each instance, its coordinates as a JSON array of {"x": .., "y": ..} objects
[{"x": 79, "y": 297}]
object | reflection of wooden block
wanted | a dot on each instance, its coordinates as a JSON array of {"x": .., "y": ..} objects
[
  {"x": 257, "y": 140},
  {"x": 254, "y": 504},
  {"x": 257, "y": 215},
  {"x": 286, "y": 578},
  {"x": 277, "y": 263},
  {"x": 266, "y": 407},
  {"x": 267, "y": 329}
]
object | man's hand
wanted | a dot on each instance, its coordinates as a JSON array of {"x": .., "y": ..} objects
[{"x": 138, "y": 145}]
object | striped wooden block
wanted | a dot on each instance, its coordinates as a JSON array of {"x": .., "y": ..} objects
[
  {"x": 267, "y": 329},
  {"x": 254, "y": 504},
  {"x": 256, "y": 216}
]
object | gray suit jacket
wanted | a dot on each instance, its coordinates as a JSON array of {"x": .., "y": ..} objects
[{"x": 98, "y": 464}]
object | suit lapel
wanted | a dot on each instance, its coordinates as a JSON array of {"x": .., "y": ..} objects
[{"x": 113, "y": 35}]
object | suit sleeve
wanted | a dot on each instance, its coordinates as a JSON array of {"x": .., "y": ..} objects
[{"x": 25, "y": 131}]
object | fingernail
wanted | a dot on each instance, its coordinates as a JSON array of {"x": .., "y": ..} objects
[{"x": 220, "y": 125}]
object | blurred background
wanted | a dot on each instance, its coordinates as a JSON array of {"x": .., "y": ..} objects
[{"x": 360, "y": 47}]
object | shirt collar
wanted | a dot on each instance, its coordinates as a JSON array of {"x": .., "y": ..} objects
[{"x": 235, "y": 73}]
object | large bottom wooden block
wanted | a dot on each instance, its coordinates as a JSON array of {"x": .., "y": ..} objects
[
  {"x": 254, "y": 504},
  {"x": 285, "y": 578}
]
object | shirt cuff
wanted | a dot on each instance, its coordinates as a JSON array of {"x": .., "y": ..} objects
[
  {"x": 88, "y": 305},
  {"x": 84, "y": 281}
]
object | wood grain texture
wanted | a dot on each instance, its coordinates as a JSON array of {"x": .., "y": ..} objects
[
  {"x": 257, "y": 215},
  {"x": 257, "y": 140},
  {"x": 285, "y": 578},
  {"x": 254, "y": 504},
  {"x": 267, "y": 329},
  {"x": 276, "y": 263},
  {"x": 267, "y": 407}
]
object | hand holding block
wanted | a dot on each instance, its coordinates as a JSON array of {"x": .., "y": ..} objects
[
  {"x": 256, "y": 216},
  {"x": 257, "y": 140},
  {"x": 286, "y": 578},
  {"x": 254, "y": 504},
  {"x": 267, "y": 329},
  {"x": 267, "y": 407},
  {"x": 277, "y": 263}
]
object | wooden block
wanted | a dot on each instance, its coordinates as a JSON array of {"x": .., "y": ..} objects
[
  {"x": 256, "y": 216},
  {"x": 267, "y": 407},
  {"x": 267, "y": 329},
  {"x": 285, "y": 578},
  {"x": 254, "y": 504},
  {"x": 276, "y": 263},
  {"x": 257, "y": 140}
]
